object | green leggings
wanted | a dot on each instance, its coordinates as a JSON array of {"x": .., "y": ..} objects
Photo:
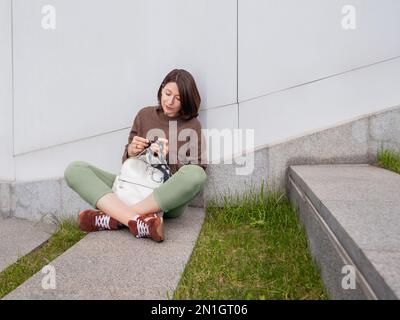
[{"x": 91, "y": 183}]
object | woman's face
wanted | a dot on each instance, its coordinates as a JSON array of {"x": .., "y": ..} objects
[{"x": 170, "y": 100}]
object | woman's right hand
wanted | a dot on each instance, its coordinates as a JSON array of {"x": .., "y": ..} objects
[{"x": 137, "y": 145}]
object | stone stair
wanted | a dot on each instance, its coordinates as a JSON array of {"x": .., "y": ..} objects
[
  {"x": 116, "y": 265},
  {"x": 351, "y": 214},
  {"x": 19, "y": 237}
]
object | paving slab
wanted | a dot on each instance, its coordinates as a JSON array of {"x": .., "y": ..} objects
[
  {"x": 361, "y": 206},
  {"x": 116, "y": 265},
  {"x": 19, "y": 237}
]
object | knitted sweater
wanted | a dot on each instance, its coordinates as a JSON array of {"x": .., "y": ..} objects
[{"x": 184, "y": 136}]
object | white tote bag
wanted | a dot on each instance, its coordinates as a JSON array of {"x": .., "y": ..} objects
[{"x": 140, "y": 175}]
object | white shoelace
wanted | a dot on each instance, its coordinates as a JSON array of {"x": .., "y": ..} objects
[
  {"x": 143, "y": 229},
  {"x": 102, "y": 221}
]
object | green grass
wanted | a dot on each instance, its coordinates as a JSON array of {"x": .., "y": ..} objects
[
  {"x": 254, "y": 248},
  {"x": 389, "y": 160},
  {"x": 14, "y": 275}
]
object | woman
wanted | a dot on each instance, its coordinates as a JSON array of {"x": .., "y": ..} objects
[{"x": 174, "y": 118}]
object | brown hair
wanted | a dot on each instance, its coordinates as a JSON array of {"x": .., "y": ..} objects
[{"x": 189, "y": 95}]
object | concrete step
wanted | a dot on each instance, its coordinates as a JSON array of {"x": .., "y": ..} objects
[
  {"x": 19, "y": 237},
  {"x": 351, "y": 214},
  {"x": 116, "y": 265}
]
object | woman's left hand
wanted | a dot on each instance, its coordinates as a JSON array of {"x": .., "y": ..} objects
[{"x": 155, "y": 148}]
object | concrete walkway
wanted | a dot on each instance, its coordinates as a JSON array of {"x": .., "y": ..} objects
[
  {"x": 116, "y": 265},
  {"x": 352, "y": 217},
  {"x": 19, "y": 237}
]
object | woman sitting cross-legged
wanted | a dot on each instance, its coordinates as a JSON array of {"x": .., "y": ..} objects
[{"x": 177, "y": 110}]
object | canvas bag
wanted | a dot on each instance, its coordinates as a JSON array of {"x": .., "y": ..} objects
[{"x": 140, "y": 175}]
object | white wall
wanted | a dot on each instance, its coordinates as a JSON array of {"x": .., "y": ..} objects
[
  {"x": 296, "y": 62},
  {"x": 281, "y": 67},
  {"x": 106, "y": 59},
  {"x": 287, "y": 43},
  {"x": 321, "y": 104},
  {"x": 6, "y": 119}
]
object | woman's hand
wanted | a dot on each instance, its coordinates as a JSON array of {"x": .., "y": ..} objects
[
  {"x": 155, "y": 148},
  {"x": 137, "y": 145}
]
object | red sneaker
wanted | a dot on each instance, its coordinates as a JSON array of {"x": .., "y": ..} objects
[
  {"x": 96, "y": 220},
  {"x": 147, "y": 226}
]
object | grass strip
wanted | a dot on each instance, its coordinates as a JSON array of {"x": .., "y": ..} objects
[
  {"x": 389, "y": 160},
  {"x": 251, "y": 248},
  {"x": 14, "y": 275}
]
